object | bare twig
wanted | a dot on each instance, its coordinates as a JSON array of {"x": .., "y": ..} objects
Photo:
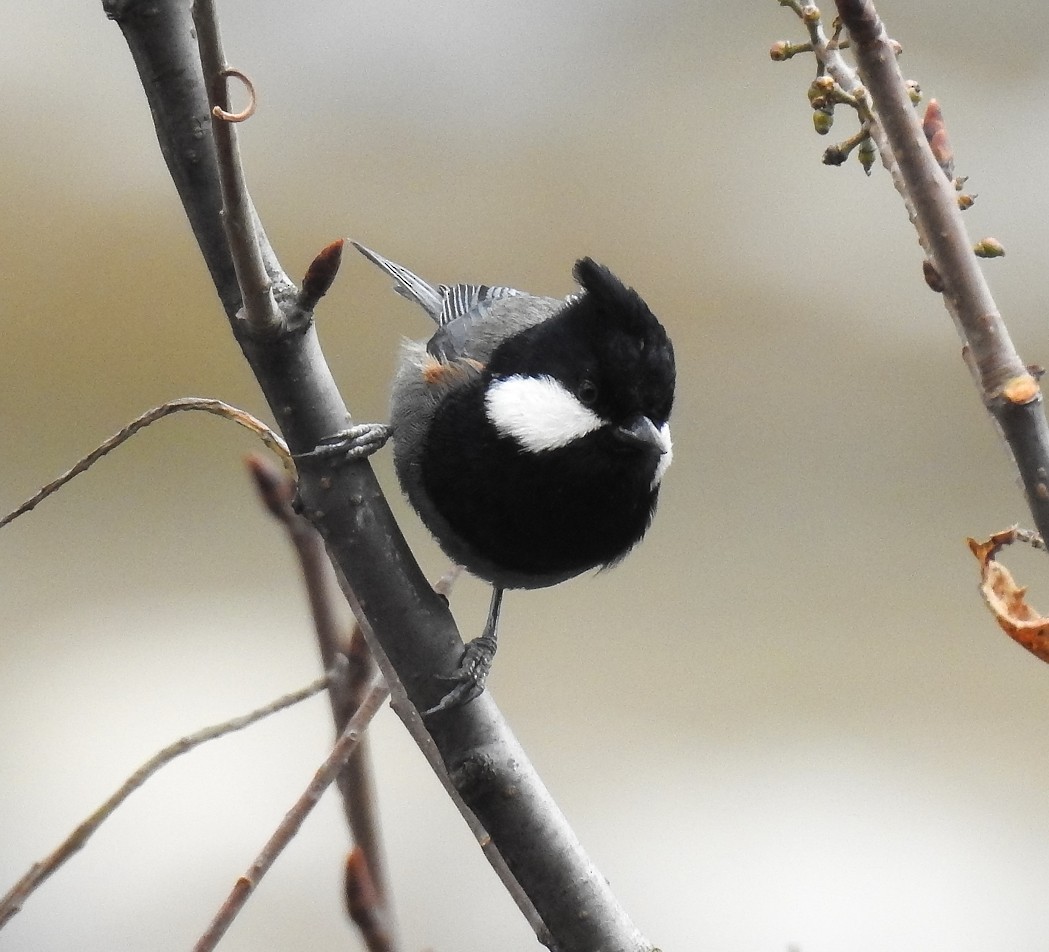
[
  {"x": 294, "y": 819},
  {"x": 1009, "y": 391},
  {"x": 205, "y": 404},
  {"x": 12, "y": 902},
  {"x": 277, "y": 491}
]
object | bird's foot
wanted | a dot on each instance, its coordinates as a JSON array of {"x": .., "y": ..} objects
[
  {"x": 470, "y": 677},
  {"x": 357, "y": 442}
]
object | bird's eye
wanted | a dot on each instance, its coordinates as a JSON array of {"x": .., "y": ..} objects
[{"x": 587, "y": 392}]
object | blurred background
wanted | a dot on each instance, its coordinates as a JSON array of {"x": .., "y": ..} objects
[{"x": 786, "y": 720}]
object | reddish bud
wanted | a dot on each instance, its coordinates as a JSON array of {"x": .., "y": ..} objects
[
  {"x": 936, "y": 133},
  {"x": 320, "y": 274},
  {"x": 363, "y": 901},
  {"x": 275, "y": 489}
]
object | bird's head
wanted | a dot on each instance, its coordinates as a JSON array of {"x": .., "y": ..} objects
[{"x": 601, "y": 370}]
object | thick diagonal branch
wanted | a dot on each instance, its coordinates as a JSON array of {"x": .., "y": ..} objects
[{"x": 408, "y": 627}]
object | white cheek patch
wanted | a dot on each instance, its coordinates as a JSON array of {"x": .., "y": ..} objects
[
  {"x": 668, "y": 454},
  {"x": 538, "y": 412}
]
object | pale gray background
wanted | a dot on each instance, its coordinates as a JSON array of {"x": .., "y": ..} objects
[{"x": 787, "y": 718}]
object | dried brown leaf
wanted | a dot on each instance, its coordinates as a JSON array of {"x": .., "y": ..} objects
[{"x": 1006, "y": 599}]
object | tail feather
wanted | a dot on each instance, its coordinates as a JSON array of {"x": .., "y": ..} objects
[
  {"x": 445, "y": 303},
  {"x": 407, "y": 283}
]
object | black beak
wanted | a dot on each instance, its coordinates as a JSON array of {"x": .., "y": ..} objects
[{"x": 642, "y": 433}]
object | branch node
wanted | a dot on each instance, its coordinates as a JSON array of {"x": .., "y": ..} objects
[
  {"x": 1021, "y": 390},
  {"x": 932, "y": 276}
]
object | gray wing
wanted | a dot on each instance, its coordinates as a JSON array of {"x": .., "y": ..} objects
[{"x": 464, "y": 306}]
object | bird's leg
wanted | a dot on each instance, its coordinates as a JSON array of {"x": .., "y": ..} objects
[
  {"x": 475, "y": 663},
  {"x": 357, "y": 442}
]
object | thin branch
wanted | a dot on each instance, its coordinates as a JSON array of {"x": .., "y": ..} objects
[
  {"x": 260, "y": 309},
  {"x": 1008, "y": 389},
  {"x": 938, "y": 218},
  {"x": 346, "y": 693},
  {"x": 205, "y": 404},
  {"x": 294, "y": 819},
  {"x": 277, "y": 492},
  {"x": 12, "y": 902}
]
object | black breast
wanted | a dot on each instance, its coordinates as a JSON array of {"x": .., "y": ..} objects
[{"x": 526, "y": 520}]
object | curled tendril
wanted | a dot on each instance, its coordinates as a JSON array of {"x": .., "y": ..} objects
[{"x": 219, "y": 113}]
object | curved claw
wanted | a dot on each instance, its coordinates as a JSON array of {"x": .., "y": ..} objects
[
  {"x": 463, "y": 693},
  {"x": 358, "y": 442},
  {"x": 470, "y": 676}
]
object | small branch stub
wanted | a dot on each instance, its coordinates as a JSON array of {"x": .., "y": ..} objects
[
  {"x": 932, "y": 276},
  {"x": 1021, "y": 390},
  {"x": 782, "y": 51}
]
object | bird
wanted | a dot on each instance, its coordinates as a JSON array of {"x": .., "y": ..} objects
[{"x": 530, "y": 434}]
